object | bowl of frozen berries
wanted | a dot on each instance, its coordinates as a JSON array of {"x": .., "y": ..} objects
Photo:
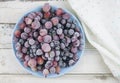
[{"x": 48, "y": 41}]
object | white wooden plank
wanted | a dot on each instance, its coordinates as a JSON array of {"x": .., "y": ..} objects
[
  {"x": 63, "y": 79},
  {"x": 90, "y": 62},
  {"x": 11, "y": 11}
]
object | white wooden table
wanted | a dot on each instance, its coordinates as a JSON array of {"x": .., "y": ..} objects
[{"x": 91, "y": 68}]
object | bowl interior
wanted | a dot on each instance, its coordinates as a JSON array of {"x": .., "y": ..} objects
[{"x": 63, "y": 70}]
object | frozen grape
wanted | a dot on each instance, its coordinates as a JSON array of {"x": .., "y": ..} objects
[
  {"x": 47, "y": 15},
  {"x": 28, "y": 20},
  {"x": 27, "y": 58},
  {"x": 47, "y": 39},
  {"x": 22, "y": 25},
  {"x": 52, "y": 54},
  {"x": 18, "y": 46},
  {"x": 59, "y": 11},
  {"x": 27, "y": 29},
  {"x": 17, "y": 33},
  {"x": 40, "y": 38},
  {"x": 61, "y": 36},
  {"x": 55, "y": 37},
  {"x": 45, "y": 72},
  {"x": 71, "y": 32},
  {"x": 48, "y": 25},
  {"x": 31, "y": 41},
  {"x": 52, "y": 70},
  {"x": 57, "y": 53},
  {"x": 40, "y": 60},
  {"x": 71, "y": 62},
  {"x": 76, "y": 34},
  {"x": 19, "y": 54},
  {"x": 59, "y": 31},
  {"x": 39, "y": 52},
  {"x": 63, "y": 21},
  {"x": 24, "y": 50},
  {"x": 24, "y": 35},
  {"x": 74, "y": 50},
  {"x": 46, "y": 47},
  {"x": 62, "y": 45},
  {"x": 32, "y": 63},
  {"x": 76, "y": 43},
  {"x": 55, "y": 20},
  {"x": 68, "y": 25},
  {"x": 43, "y": 32},
  {"x": 46, "y": 7},
  {"x": 36, "y": 24},
  {"x": 58, "y": 69},
  {"x": 66, "y": 16}
]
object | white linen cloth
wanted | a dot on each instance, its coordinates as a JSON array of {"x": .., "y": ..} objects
[{"x": 101, "y": 23}]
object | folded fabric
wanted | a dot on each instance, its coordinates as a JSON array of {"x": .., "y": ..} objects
[{"x": 100, "y": 20}]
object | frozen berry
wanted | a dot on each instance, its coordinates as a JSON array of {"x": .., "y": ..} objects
[
  {"x": 40, "y": 60},
  {"x": 66, "y": 16},
  {"x": 71, "y": 62},
  {"x": 59, "y": 31},
  {"x": 63, "y": 21},
  {"x": 19, "y": 54},
  {"x": 59, "y": 11},
  {"x": 31, "y": 41},
  {"x": 71, "y": 32},
  {"x": 36, "y": 24},
  {"x": 57, "y": 69},
  {"x": 47, "y": 15},
  {"x": 62, "y": 45},
  {"x": 43, "y": 32},
  {"x": 27, "y": 58},
  {"x": 76, "y": 43},
  {"x": 46, "y": 7},
  {"x": 22, "y": 25},
  {"x": 39, "y": 52},
  {"x": 25, "y": 63},
  {"x": 27, "y": 29},
  {"x": 45, "y": 72},
  {"x": 17, "y": 33},
  {"x": 52, "y": 54},
  {"x": 32, "y": 63},
  {"x": 24, "y": 35},
  {"x": 57, "y": 53},
  {"x": 48, "y": 25},
  {"x": 74, "y": 50},
  {"x": 24, "y": 50},
  {"x": 46, "y": 47},
  {"x": 55, "y": 37},
  {"x": 17, "y": 46},
  {"x": 52, "y": 70},
  {"x": 40, "y": 38},
  {"x": 61, "y": 36},
  {"x": 76, "y": 34},
  {"x": 55, "y": 20},
  {"x": 47, "y": 39},
  {"x": 28, "y": 20}
]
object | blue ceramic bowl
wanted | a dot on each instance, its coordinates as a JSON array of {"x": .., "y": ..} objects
[{"x": 63, "y": 70}]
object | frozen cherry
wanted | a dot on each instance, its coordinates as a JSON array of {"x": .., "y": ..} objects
[
  {"x": 28, "y": 20},
  {"x": 43, "y": 32},
  {"x": 47, "y": 39},
  {"x": 46, "y": 47},
  {"x": 55, "y": 20},
  {"x": 48, "y": 25}
]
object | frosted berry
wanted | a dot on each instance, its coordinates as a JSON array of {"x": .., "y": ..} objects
[{"x": 46, "y": 47}]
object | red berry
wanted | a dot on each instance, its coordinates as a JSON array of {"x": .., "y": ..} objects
[
  {"x": 32, "y": 63},
  {"x": 46, "y": 47},
  {"x": 17, "y": 33},
  {"x": 47, "y": 15},
  {"x": 40, "y": 38},
  {"x": 59, "y": 11},
  {"x": 22, "y": 25},
  {"x": 40, "y": 60},
  {"x": 55, "y": 20}
]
